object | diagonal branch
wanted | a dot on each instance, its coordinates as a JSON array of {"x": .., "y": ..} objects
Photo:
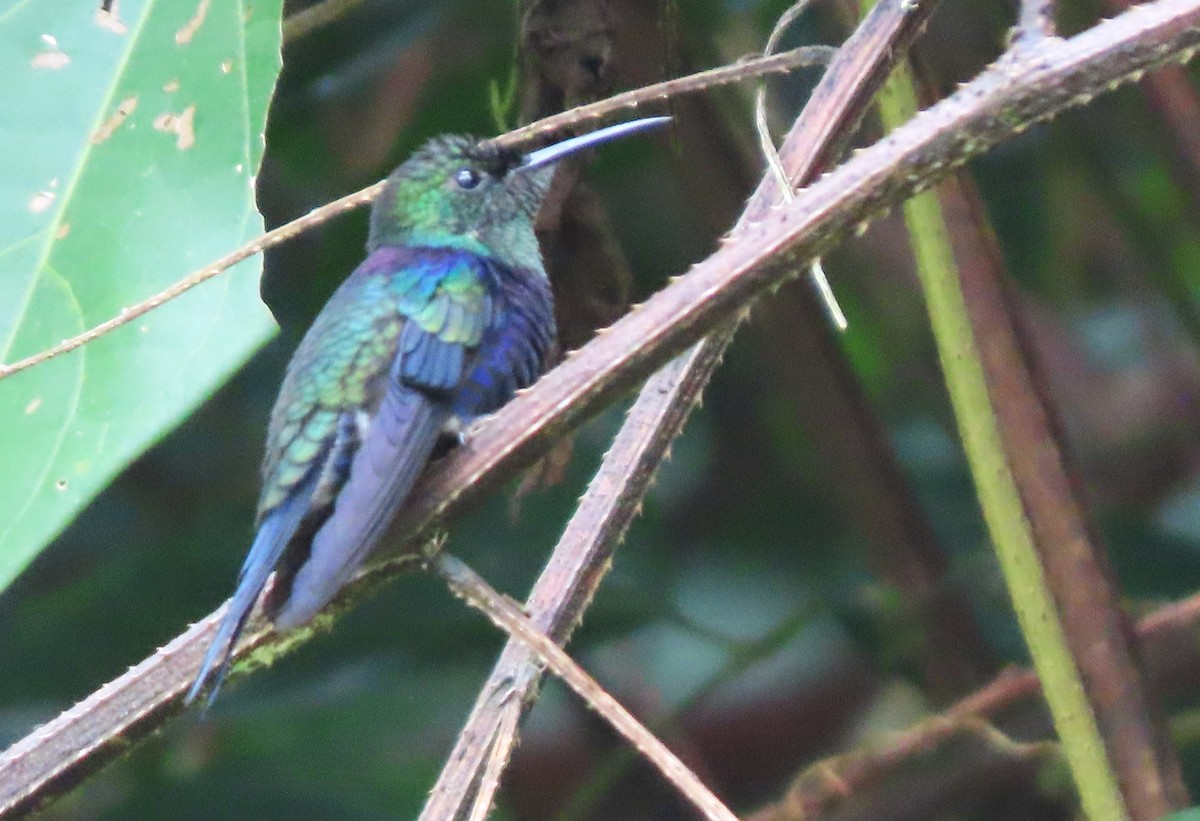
[
  {"x": 573, "y": 574},
  {"x": 579, "y": 561},
  {"x": 1130, "y": 727},
  {"x": 506, "y": 615},
  {"x": 1000, "y": 103},
  {"x": 1174, "y": 98},
  {"x": 699, "y": 81},
  {"x": 824, "y": 784},
  {"x": 1004, "y": 100}
]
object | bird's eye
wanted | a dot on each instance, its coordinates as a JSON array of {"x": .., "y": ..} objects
[{"x": 467, "y": 178}]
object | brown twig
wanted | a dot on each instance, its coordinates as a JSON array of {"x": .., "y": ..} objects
[
  {"x": 1174, "y": 98},
  {"x": 584, "y": 114},
  {"x": 851, "y": 774},
  {"x": 828, "y": 782},
  {"x": 304, "y": 22},
  {"x": 1003, "y": 101},
  {"x": 256, "y": 246},
  {"x": 574, "y": 572},
  {"x": 507, "y": 616},
  {"x": 744, "y": 69},
  {"x": 577, "y": 564},
  {"x": 1072, "y": 555}
]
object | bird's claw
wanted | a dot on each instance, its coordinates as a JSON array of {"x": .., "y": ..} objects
[{"x": 462, "y": 429}]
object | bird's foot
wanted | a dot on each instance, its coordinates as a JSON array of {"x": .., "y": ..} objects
[{"x": 462, "y": 428}]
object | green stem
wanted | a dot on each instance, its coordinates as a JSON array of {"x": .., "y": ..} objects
[{"x": 999, "y": 498}]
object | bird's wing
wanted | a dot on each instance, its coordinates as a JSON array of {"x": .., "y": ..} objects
[
  {"x": 447, "y": 305},
  {"x": 516, "y": 346},
  {"x": 334, "y": 378},
  {"x": 314, "y": 433},
  {"x": 359, "y": 411},
  {"x": 402, "y": 436}
]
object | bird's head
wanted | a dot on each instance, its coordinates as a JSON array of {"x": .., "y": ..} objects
[{"x": 463, "y": 192}]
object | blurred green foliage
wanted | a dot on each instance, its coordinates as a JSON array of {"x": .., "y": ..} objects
[
  {"x": 138, "y": 172},
  {"x": 742, "y": 615}
]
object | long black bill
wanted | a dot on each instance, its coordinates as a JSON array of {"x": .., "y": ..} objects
[{"x": 554, "y": 153}]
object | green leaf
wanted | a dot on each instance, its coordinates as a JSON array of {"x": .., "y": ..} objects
[{"x": 128, "y": 149}]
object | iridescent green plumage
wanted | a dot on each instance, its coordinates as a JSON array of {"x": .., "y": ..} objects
[
  {"x": 448, "y": 316},
  {"x": 339, "y": 365}
]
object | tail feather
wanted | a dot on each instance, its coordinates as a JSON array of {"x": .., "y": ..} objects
[
  {"x": 402, "y": 436},
  {"x": 271, "y": 541}
]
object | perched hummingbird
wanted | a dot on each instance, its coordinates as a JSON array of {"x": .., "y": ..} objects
[{"x": 448, "y": 316}]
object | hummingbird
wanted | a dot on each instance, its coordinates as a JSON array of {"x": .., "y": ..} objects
[{"x": 448, "y": 316}]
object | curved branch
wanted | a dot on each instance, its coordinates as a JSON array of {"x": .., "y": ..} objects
[
  {"x": 1004, "y": 100},
  {"x": 737, "y": 72},
  {"x": 506, "y": 615},
  {"x": 577, "y": 565}
]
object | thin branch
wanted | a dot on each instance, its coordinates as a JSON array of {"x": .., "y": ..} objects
[
  {"x": 574, "y": 572},
  {"x": 579, "y": 561},
  {"x": 829, "y": 783},
  {"x": 1174, "y": 98},
  {"x": 746, "y": 69},
  {"x": 304, "y": 22},
  {"x": 1003, "y": 101},
  {"x": 963, "y": 347},
  {"x": 256, "y": 246},
  {"x": 826, "y": 783},
  {"x": 852, "y": 773},
  {"x": 507, "y": 616},
  {"x": 1073, "y": 560}
]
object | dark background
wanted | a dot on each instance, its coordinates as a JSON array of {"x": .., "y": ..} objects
[{"x": 745, "y": 618}]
